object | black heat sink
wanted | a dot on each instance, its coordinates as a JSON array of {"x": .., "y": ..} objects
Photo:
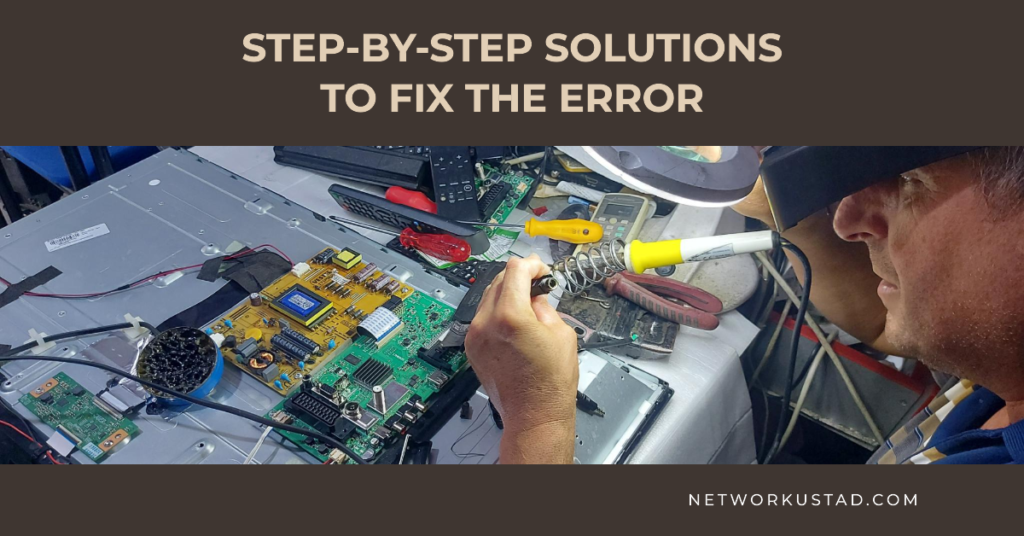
[{"x": 371, "y": 373}]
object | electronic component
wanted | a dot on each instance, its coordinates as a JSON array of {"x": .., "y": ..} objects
[
  {"x": 82, "y": 419},
  {"x": 381, "y": 324},
  {"x": 494, "y": 197},
  {"x": 321, "y": 339},
  {"x": 379, "y": 401},
  {"x": 302, "y": 305},
  {"x": 347, "y": 258},
  {"x": 324, "y": 256},
  {"x": 338, "y": 280},
  {"x": 352, "y": 410},
  {"x": 393, "y": 394},
  {"x": 437, "y": 379},
  {"x": 300, "y": 269},
  {"x": 337, "y": 456},
  {"x": 254, "y": 333},
  {"x": 392, "y": 287},
  {"x": 247, "y": 349},
  {"x": 454, "y": 183},
  {"x": 268, "y": 373},
  {"x": 289, "y": 348},
  {"x": 305, "y": 342},
  {"x": 371, "y": 373},
  {"x": 327, "y": 390},
  {"x": 393, "y": 303},
  {"x": 394, "y": 367},
  {"x": 364, "y": 421},
  {"x": 435, "y": 356},
  {"x": 313, "y": 409},
  {"x": 255, "y": 299},
  {"x": 379, "y": 283},
  {"x": 365, "y": 273}
]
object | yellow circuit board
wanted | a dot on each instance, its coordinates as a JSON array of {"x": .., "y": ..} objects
[{"x": 323, "y": 305}]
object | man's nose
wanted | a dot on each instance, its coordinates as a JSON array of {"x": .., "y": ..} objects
[{"x": 861, "y": 217}]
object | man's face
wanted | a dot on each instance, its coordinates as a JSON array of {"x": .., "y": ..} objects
[{"x": 952, "y": 278}]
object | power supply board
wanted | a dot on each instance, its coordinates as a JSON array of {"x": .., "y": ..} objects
[
  {"x": 92, "y": 425},
  {"x": 306, "y": 317},
  {"x": 370, "y": 394}
]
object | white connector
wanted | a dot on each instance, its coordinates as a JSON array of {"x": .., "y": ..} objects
[{"x": 300, "y": 269}]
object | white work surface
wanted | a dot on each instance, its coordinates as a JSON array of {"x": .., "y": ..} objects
[{"x": 708, "y": 420}]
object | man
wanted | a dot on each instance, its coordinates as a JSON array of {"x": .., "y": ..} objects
[{"x": 929, "y": 264}]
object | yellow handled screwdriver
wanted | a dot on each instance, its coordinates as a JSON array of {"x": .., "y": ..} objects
[{"x": 573, "y": 231}]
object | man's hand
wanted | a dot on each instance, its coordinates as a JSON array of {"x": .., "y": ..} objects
[{"x": 526, "y": 359}]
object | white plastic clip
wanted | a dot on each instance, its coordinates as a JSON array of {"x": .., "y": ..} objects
[
  {"x": 136, "y": 331},
  {"x": 37, "y": 338}
]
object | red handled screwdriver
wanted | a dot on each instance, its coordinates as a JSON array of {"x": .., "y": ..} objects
[{"x": 445, "y": 247}]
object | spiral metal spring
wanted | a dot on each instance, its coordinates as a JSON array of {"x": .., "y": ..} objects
[{"x": 587, "y": 268}]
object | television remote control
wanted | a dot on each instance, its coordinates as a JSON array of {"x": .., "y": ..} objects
[
  {"x": 455, "y": 190},
  {"x": 400, "y": 216}
]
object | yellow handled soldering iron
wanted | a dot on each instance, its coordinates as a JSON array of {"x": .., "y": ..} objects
[{"x": 594, "y": 265}]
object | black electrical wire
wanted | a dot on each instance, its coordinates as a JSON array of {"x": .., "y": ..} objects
[
  {"x": 78, "y": 334},
  {"x": 199, "y": 402},
  {"x": 798, "y": 323}
]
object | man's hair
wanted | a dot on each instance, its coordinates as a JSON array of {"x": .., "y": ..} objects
[{"x": 1001, "y": 170}]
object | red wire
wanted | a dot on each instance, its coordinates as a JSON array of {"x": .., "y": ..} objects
[
  {"x": 16, "y": 429},
  {"x": 154, "y": 276},
  {"x": 30, "y": 438}
]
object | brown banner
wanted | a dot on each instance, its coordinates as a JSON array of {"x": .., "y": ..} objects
[
  {"x": 609, "y": 500},
  {"x": 837, "y": 72}
]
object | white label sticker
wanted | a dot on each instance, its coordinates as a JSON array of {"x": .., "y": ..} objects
[
  {"x": 716, "y": 253},
  {"x": 62, "y": 242}
]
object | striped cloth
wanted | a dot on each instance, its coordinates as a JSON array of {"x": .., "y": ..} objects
[{"x": 949, "y": 431}]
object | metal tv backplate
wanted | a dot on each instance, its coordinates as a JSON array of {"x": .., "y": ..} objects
[{"x": 171, "y": 210}]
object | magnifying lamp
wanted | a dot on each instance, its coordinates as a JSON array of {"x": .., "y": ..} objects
[
  {"x": 703, "y": 176},
  {"x": 799, "y": 180}
]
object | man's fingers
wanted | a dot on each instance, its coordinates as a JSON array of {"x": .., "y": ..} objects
[
  {"x": 519, "y": 276},
  {"x": 546, "y": 314}
]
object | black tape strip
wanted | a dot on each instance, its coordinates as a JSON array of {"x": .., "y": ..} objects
[
  {"x": 211, "y": 269},
  {"x": 16, "y": 290},
  {"x": 257, "y": 271}
]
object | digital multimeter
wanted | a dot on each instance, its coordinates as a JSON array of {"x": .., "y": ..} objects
[{"x": 622, "y": 216}]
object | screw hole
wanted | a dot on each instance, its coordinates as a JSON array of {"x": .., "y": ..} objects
[{"x": 201, "y": 446}]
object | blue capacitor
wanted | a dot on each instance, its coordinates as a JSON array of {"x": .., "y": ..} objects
[
  {"x": 229, "y": 324},
  {"x": 209, "y": 331},
  {"x": 284, "y": 377},
  {"x": 302, "y": 365},
  {"x": 331, "y": 344},
  {"x": 277, "y": 383},
  {"x": 266, "y": 322}
]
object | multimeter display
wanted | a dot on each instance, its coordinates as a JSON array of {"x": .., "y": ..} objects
[{"x": 618, "y": 210}]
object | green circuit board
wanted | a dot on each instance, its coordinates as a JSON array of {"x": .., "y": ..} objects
[
  {"x": 94, "y": 427},
  {"x": 520, "y": 186},
  {"x": 424, "y": 319}
]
